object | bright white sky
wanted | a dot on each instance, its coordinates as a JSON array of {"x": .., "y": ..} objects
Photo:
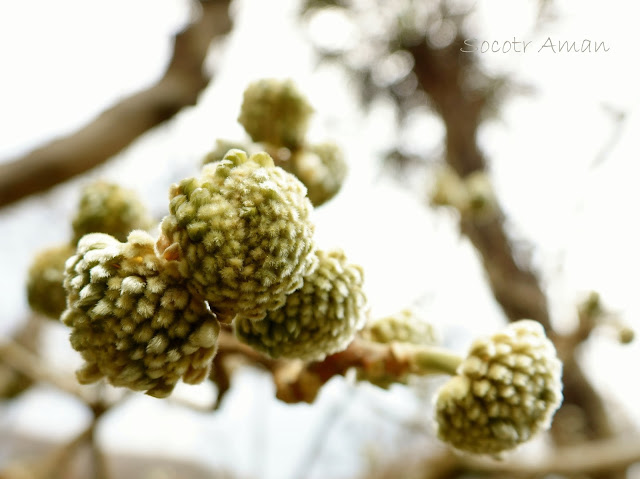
[{"x": 63, "y": 62}]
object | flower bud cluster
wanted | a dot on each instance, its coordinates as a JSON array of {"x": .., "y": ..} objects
[
  {"x": 505, "y": 391},
  {"x": 237, "y": 242},
  {"x": 275, "y": 114},
  {"x": 320, "y": 318}
]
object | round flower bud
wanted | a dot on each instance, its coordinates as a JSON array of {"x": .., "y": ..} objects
[
  {"x": 505, "y": 391},
  {"x": 109, "y": 208},
  {"x": 322, "y": 169},
  {"x": 403, "y": 327},
  {"x": 320, "y": 318},
  {"x": 132, "y": 319},
  {"x": 243, "y": 234},
  {"x": 45, "y": 292},
  {"x": 275, "y": 112}
]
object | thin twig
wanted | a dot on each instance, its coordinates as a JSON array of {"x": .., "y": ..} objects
[
  {"x": 116, "y": 128},
  {"x": 53, "y": 465},
  {"x": 57, "y": 462},
  {"x": 306, "y": 463},
  {"x": 13, "y": 382},
  {"x": 21, "y": 359},
  {"x": 101, "y": 467},
  {"x": 619, "y": 120}
]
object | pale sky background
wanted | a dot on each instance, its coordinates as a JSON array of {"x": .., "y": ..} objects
[{"x": 63, "y": 62}]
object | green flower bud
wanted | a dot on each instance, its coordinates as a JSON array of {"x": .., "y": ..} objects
[
  {"x": 505, "y": 391},
  {"x": 243, "y": 234},
  {"x": 403, "y": 327},
  {"x": 274, "y": 111},
  {"x": 132, "y": 318},
  {"x": 221, "y": 149},
  {"x": 320, "y": 318},
  {"x": 109, "y": 208},
  {"x": 322, "y": 169},
  {"x": 45, "y": 292}
]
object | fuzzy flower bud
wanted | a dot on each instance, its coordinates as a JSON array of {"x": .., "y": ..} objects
[
  {"x": 132, "y": 319},
  {"x": 322, "y": 169},
  {"x": 243, "y": 233},
  {"x": 320, "y": 318},
  {"x": 275, "y": 112},
  {"x": 403, "y": 327},
  {"x": 109, "y": 208},
  {"x": 45, "y": 292},
  {"x": 505, "y": 391}
]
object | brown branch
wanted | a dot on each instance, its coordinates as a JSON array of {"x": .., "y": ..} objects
[
  {"x": 297, "y": 381},
  {"x": 53, "y": 465},
  {"x": 24, "y": 361},
  {"x": 12, "y": 381},
  {"x": 443, "y": 74},
  {"x": 120, "y": 125},
  {"x": 591, "y": 457}
]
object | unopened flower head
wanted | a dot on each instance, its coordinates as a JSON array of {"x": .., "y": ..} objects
[
  {"x": 108, "y": 208},
  {"x": 322, "y": 169},
  {"x": 132, "y": 319},
  {"x": 243, "y": 232},
  {"x": 505, "y": 391},
  {"x": 275, "y": 112},
  {"x": 45, "y": 292},
  {"x": 320, "y": 318},
  {"x": 403, "y": 327}
]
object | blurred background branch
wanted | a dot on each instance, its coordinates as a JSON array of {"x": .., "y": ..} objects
[{"x": 116, "y": 128}]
